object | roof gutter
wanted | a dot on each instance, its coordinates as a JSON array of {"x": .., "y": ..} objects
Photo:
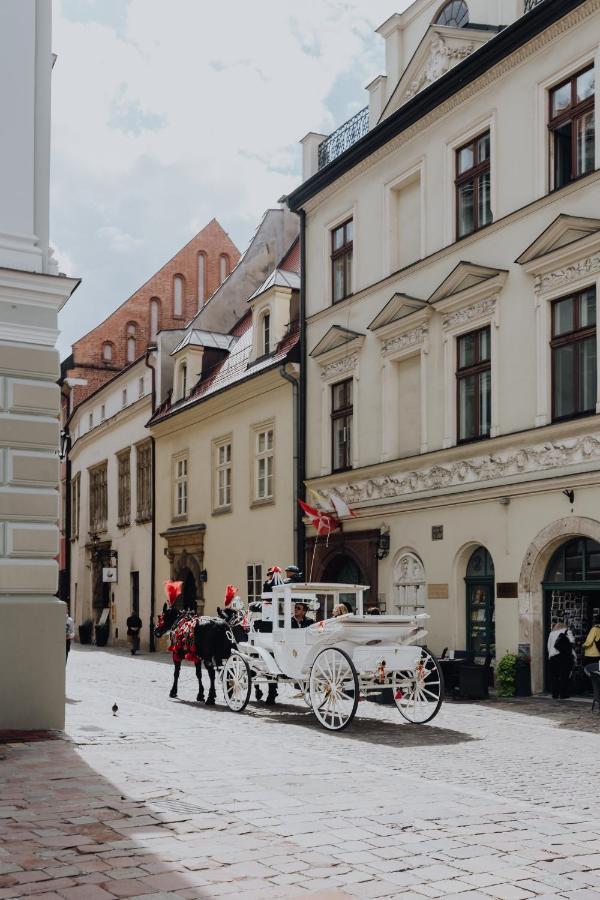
[{"x": 497, "y": 48}]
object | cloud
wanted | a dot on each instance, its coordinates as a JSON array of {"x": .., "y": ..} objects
[{"x": 165, "y": 115}]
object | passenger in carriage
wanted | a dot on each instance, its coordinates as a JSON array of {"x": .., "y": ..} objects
[
  {"x": 340, "y": 610},
  {"x": 299, "y": 619},
  {"x": 273, "y": 577}
]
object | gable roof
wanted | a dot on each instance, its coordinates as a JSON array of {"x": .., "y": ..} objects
[
  {"x": 563, "y": 231},
  {"x": 463, "y": 277},
  {"x": 336, "y": 337},
  {"x": 399, "y": 306}
]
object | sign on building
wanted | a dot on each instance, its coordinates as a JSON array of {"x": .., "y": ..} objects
[{"x": 109, "y": 575}]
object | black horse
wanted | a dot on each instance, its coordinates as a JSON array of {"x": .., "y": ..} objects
[{"x": 200, "y": 639}]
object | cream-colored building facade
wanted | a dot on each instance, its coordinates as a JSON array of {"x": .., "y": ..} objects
[
  {"x": 466, "y": 490},
  {"x": 225, "y": 432},
  {"x": 32, "y": 620},
  {"x": 112, "y": 502}
]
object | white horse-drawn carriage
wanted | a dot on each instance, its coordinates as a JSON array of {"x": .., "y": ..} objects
[{"x": 335, "y": 661}]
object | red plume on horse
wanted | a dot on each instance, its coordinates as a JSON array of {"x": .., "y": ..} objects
[{"x": 198, "y": 639}]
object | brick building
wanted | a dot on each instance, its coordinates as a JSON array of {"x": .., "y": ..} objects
[{"x": 169, "y": 299}]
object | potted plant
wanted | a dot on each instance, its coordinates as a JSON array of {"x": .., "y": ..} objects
[
  {"x": 85, "y": 631},
  {"x": 506, "y": 675}
]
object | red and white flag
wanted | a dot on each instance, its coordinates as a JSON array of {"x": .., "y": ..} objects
[
  {"x": 341, "y": 507},
  {"x": 321, "y": 521}
]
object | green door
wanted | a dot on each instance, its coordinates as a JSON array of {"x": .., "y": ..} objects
[{"x": 480, "y": 588}]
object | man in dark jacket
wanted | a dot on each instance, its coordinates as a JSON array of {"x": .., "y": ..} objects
[
  {"x": 299, "y": 619},
  {"x": 134, "y": 626}
]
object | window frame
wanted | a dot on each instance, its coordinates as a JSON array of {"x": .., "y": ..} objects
[
  {"x": 75, "y": 506},
  {"x": 474, "y": 370},
  {"x": 255, "y": 581},
  {"x": 473, "y": 174},
  {"x": 181, "y": 474},
  {"x": 442, "y": 9},
  {"x": 572, "y": 113},
  {"x": 143, "y": 453},
  {"x": 259, "y": 456},
  {"x": 124, "y": 488},
  {"x": 98, "y": 497},
  {"x": 570, "y": 338},
  {"x": 265, "y": 329},
  {"x": 218, "y": 469},
  {"x": 345, "y": 412},
  {"x": 346, "y": 250}
]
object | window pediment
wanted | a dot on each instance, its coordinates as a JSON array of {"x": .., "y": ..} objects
[
  {"x": 467, "y": 283},
  {"x": 396, "y": 310},
  {"x": 567, "y": 240},
  {"x": 440, "y": 50},
  {"x": 337, "y": 343}
]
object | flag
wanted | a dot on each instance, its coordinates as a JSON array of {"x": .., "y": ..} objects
[
  {"x": 321, "y": 522},
  {"x": 341, "y": 507}
]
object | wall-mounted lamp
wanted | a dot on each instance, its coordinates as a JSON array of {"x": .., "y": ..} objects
[
  {"x": 504, "y": 501},
  {"x": 570, "y": 495},
  {"x": 65, "y": 440},
  {"x": 383, "y": 542},
  {"x": 170, "y": 554}
]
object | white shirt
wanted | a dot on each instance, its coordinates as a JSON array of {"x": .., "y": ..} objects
[
  {"x": 553, "y": 637},
  {"x": 70, "y": 628}
]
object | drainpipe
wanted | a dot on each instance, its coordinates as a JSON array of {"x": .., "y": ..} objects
[
  {"x": 300, "y": 529},
  {"x": 67, "y": 536},
  {"x": 295, "y": 394},
  {"x": 151, "y": 642}
]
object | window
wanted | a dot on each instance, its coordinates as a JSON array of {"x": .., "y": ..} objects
[
  {"x": 574, "y": 355},
  {"x": 181, "y": 487},
  {"x": 141, "y": 387},
  {"x": 263, "y": 466},
  {"x": 131, "y": 330},
  {"x": 255, "y": 581},
  {"x": 223, "y": 266},
  {"x": 75, "y": 495},
  {"x": 341, "y": 261},
  {"x": 341, "y": 424},
  {"x": 266, "y": 333},
  {"x": 98, "y": 498},
  {"x": 103, "y": 412},
  {"x": 178, "y": 296},
  {"x": 144, "y": 482},
  {"x": 455, "y": 15},
  {"x": 124, "y": 397},
  {"x": 201, "y": 279},
  {"x": 474, "y": 385},
  {"x": 473, "y": 186},
  {"x": 572, "y": 128},
  {"x": 91, "y": 421},
  {"x": 154, "y": 315},
  {"x": 223, "y": 476},
  {"x": 107, "y": 352},
  {"x": 124, "y": 501},
  {"x": 182, "y": 381}
]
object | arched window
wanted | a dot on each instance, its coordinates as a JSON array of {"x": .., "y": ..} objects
[
  {"x": 481, "y": 618},
  {"x": 131, "y": 332},
  {"x": 154, "y": 317},
  {"x": 266, "y": 333},
  {"x": 223, "y": 266},
  {"x": 455, "y": 14},
  {"x": 409, "y": 584},
  {"x": 182, "y": 381},
  {"x": 107, "y": 352},
  {"x": 201, "y": 279},
  {"x": 178, "y": 296}
]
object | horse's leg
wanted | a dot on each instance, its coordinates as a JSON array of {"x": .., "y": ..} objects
[
  {"x": 212, "y": 694},
  {"x": 176, "y": 671},
  {"x": 200, "y": 696}
]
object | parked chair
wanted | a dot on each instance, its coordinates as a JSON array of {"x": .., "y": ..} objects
[{"x": 593, "y": 672}]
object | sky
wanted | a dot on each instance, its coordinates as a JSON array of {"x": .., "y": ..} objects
[{"x": 167, "y": 113}]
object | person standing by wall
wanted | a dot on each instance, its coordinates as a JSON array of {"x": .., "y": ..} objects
[
  {"x": 70, "y": 633},
  {"x": 134, "y": 626},
  {"x": 561, "y": 659},
  {"x": 591, "y": 645}
]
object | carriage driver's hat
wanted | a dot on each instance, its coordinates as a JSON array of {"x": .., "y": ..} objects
[{"x": 293, "y": 569}]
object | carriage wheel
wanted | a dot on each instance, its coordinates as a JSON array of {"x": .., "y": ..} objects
[
  {"x": 237, "y": 682},
  {"x": 418, "y": 692},
  {"x": 333, "y": 687}
]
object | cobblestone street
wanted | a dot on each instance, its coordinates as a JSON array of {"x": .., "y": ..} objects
[{"x": 174, "y": 799}]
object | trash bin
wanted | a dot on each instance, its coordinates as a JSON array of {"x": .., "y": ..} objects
[
  {"x": 102, "y": 632},
  {"x": 523, "y": 678},
  {"x": 473, "y": 682},
  {"x": 85, "y": 632}
]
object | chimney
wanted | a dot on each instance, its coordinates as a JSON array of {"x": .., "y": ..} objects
[
  {"x": 391, "y": 32},
  {"x": 310, "y": 153}
]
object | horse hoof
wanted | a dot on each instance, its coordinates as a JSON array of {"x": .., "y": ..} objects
[
  {"x": 200, "y": 698},
  {"x": 210, "y": 701},
  {"x": 258, "y": 694},
  {"x": 173, "y": 695}
]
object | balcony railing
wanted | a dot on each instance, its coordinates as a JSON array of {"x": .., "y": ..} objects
[{"x": 343, "y": 137}]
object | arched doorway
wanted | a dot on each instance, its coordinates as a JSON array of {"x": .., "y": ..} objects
[
  {"x": 343, "y": 569},
  {"x": 481, "y": 614},
  {"x": 572, "y": 593}
]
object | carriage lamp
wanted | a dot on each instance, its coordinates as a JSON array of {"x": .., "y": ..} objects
[{"x": 383, "y": 542}]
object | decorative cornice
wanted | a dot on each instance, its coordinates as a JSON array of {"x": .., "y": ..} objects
[
  {"x": 475, "y": 471},
  {"x": 485, "y": 308},
  {"x": 550, "y": 281},
  {"x": 406, "y": 341},
  {"x": 339, "y": 367},
  {"x": 441, "y": 59}
]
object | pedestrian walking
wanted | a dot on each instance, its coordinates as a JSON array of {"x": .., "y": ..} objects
[
  {"x": 561, "y": 660},
  {"x": 591, "y": 645},
  {"x": 134, "y": 626},
  {"x": 70, "y": 633}
]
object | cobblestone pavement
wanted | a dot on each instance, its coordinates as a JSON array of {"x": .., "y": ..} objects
[{"x": 175, "y": 799}]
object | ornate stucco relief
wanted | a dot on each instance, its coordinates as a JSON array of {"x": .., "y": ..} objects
[
  {"x": 562, "y": 277},
  {"x": 476, "y": 470},
  {"x": 476, "y": 311},
  {"x": 404, "y": 341},
  {"x": 441, "y": 59},
  {"x": 339, "y": 367}
]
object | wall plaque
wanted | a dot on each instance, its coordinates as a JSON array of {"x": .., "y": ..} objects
[
  {"x": 437, "y": 591},
  {"x": 507, "y": 590},
  {"x": 437, "y": 532}
]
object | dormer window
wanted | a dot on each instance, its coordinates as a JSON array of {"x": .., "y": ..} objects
[
  {"x": 182, "y": 381},
  {"x": 266, "y": 333},
  {"x": 454, "y": 15}
]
